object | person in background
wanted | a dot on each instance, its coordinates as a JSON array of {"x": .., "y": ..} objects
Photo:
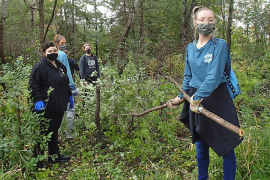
[
  {"x": 88, "y": 65},
  {"x": 72, "y": 64},
  {"x": 50, "y": 73},
  {"x": 205, "y": 82},
  {"x": 60, "y": 42}
]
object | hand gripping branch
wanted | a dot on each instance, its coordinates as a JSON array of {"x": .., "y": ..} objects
[{"x": 211, "y": 115}]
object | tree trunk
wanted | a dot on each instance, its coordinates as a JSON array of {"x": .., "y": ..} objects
[
  {"x": 2, "y": 31},
  {"x": 141, "y": 29},
  {"x": 99, "y": 134},
  {"x": 41, "y": 24},
  {"x": 72, "y": 39},
  {"x": 229, "y": 30},
  {"x": 121, "y": 63},
  {"x": 96, "y": 27},
  {"x": 223, "y": 17},
  {"x": 52, "y": 16},
  {"x": 186, "y": 14}
]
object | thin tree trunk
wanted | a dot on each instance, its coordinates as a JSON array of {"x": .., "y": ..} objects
[
  {"x": 96, "y": 27},
  {"x": 141, "y": 28},
  {"x": 2, "y": 31},
  {"x": 72, "y": 38},
  {"x": 99, "y": 135},
  {"x": 125, "y": 11},
  {"x": 229, "y": 30},
  {"x": 41, "y": 24},
  {"x": 223, "y": 17},
  {"x": 121, "y": 64},
  {"x": 269, "y": 26},
  {"x": 47, "y": 29}
]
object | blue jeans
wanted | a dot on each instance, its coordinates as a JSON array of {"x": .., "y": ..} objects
[{"x": 229, "y": 162}]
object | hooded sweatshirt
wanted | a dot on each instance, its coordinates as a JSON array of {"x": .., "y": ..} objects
[{"x": 45, "y": 75}]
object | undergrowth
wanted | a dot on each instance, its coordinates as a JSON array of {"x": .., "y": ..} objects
[{"x": 153, "y": 146}]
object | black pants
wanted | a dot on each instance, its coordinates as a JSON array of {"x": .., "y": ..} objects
[
  {"x": 55, "y": 120},
  {"x": 91, "y": 80}
]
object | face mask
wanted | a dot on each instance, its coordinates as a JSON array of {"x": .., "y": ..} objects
[
  {"x": 62, "y": 47},
  {"x": 52, "y": 56},
  {"x": 88, "y": 51},
  {"x": 205, "y": 29}
]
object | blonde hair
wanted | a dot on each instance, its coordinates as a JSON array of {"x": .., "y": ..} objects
[{"x": 195, "y": 12}]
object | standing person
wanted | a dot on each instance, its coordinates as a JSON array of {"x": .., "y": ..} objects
[
  {"x": 50, "y": 73},
  {"x": 88, "y": 65},
  {"x": 60, "y": 42},
  {"x": 72, "y": 64},
  {"x": 205, "y": 82}
]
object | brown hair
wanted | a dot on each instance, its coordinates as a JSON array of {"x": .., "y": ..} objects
[
  {"x": 57, "y": 38},
  {"x": 46, "y": 45},
  {"x": 87, "y": 44},
  {"x": 66, "y": 51}
]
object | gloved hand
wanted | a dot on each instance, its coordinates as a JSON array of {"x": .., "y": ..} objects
[
  {"x": 71, "y": 102},
  {"x": 194, "y": 105},
  {"x": 40, "y": 105},
  {"x": 74, "y": 90}
]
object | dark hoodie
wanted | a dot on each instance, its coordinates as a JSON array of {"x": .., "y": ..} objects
[{"x": 45, "y": 75}]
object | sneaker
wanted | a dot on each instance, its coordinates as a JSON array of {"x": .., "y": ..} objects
[
  {"x": 70, "y": 136},
  {"x": 40, "y": 165},
  {"x": 61, "y": 158}
]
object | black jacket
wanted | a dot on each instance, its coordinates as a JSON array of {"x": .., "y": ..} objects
[
  {"x": 45, "y": 75},
  {"x": 73, "y": 65},
  {"x": 220, "y": 139}
]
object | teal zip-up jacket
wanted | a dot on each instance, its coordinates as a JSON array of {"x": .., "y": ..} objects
[
  {"x": 62, "y": 57},
  {"x": 204, "y": 67}
]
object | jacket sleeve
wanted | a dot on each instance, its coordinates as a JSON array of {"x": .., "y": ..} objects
[
  {"x": 82, "y": 67},
  {"x": 35, "y": 84},
  {"x": 97, "y": 68}
]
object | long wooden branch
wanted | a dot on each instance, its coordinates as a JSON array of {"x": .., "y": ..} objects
[
  {"x": 211, "y": 115},
  {"x": 204, "y": 111}
]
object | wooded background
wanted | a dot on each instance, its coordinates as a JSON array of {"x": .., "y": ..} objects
[{"x": 147, "y": 29}]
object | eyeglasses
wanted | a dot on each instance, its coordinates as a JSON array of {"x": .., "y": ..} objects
[{"x": 202, "y": 21}]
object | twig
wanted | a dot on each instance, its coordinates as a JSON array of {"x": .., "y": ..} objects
[
  {"x": 141, "y": 114},
  {"x": 153, "y": 164}
]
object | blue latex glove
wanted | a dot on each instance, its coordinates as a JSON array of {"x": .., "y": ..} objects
[
  {"x": 74, "y": 90},
  {"x": 71, "y": 104},
  {"x": 40, "y": 105}
]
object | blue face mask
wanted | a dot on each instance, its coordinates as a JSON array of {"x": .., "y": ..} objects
[{"x": 63, "y": 47}]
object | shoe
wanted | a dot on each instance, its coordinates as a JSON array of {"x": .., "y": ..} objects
[
  {"x": 61, "y": 158},
  {"x": 70, "y": 136},
  {"x": 40, "y": 165}
]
